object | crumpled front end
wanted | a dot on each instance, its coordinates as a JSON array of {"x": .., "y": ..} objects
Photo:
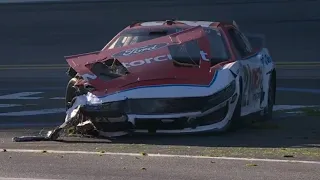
[
  {"x": 185, "y": 110},
  {"x": 167, "y": 85}
]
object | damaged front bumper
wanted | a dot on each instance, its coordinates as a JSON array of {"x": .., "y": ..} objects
[
  {"x": 157, "y": 115},
  {"x": 165, "y": 115}
]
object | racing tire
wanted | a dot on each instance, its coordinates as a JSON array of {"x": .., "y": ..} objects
[
  {"x": 268, "y": 111},
  {"x": 236, "y": 121},
  {"x": 70, "y": 92}
]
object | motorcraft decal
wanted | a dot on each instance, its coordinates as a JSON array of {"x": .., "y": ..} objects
[{"x": 140, "y": 50}]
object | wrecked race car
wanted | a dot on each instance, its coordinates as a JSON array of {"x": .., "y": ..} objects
[{"x": 169, "y": 77}]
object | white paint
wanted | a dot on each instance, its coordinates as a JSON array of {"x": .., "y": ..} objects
[
  {"x": 189, "y": 23},
  {"x": 57, "y": 98},
  {"x": 197, "y": 23},
  {"x": 34, "y": 112},
  {"x": 9, "y": 105},
  {"x": 295, "y": 112},
  {"x": 224, "y": 78},
  {"x": 62, "y": 110},
  {"x": 253, "y": 65},
  {"x": 29, "y": 1},
  {"x": 6, "y": 178},
  {"x": 204, "y": 56},
  {"x": 163, "y": 155},
  {"x": 147, "y": 61},
  {"x": 216, "y": 126},
  {"x": 88, "y": 77},
  {"x": 92, "y": 99},
  {"x": 21, "y": 95},
  {"x": 152, "y": 23}
]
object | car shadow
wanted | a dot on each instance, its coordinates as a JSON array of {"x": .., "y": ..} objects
[{"x": 289, "y": 131}]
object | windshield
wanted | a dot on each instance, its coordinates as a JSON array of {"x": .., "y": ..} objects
[
  {"x": 185, "y": 54},
  {"x": 133, "y": 36},
  {"x": 218, "y": 48}
]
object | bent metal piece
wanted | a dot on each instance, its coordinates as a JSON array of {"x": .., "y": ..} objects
[{"x": 51, "y": 135}]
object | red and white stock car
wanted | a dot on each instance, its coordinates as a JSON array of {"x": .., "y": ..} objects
[{"x": 170, "y": 77}]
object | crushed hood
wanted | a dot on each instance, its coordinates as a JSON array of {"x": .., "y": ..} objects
[{"x": 146, "y": 63}]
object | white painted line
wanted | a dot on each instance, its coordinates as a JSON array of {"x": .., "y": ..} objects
[
  {"x": 290, "y": 107},
  {"x": 58, "y": 98},
  {"x": 6, "y": 178},
  {"x": 35, "y": 112},
  {"x": 295, "y": 112},
  {"x": 21, "y": 95},
  {"x": 9, "y": 105},
  {"x": 161, "y": 155}
]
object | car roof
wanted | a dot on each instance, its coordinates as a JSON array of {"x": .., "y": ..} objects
[{"x": 177, "y": 23}]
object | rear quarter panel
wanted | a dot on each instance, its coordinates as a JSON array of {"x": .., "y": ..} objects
[{"x": 255, "y": 72}]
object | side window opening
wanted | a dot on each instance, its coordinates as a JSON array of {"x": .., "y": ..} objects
[
  {"x": 239, "y": 43},
  {"x": 247, "y": 42},
  {"x": 218, "y": 48}
]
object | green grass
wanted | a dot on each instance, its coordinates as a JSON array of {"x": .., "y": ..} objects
[{"x": 311, "y": 111}]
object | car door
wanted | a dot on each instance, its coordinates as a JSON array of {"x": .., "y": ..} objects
[{"x": 251, "y": 72}]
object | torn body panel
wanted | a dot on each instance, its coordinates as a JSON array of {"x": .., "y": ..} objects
[{"x": 177, "y": 108}]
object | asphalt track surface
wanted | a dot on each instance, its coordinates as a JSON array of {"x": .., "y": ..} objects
[
  {"x": 109, "y": 167},
  {"x": 50, "y": 84},
  {"x": 44, "y": 34}
]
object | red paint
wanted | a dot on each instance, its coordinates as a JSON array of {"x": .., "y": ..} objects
[
  {"x": 156, "y": 73},
  {"x": 256, "y": 77}
]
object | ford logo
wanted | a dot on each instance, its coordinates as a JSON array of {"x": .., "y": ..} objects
[{"x": 140, "y": 50}]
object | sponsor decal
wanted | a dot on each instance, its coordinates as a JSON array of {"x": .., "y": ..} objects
[
  {"x": 157, "y": 59},
  {"x": 256, "y": 78},
  {"x": 147, "y": 61},
  {"x": 246, "y": 84},
  {"x": 265, "y": 59},
  {"x": 204, "y": 56},
  {"x": 140, "y": 50}
]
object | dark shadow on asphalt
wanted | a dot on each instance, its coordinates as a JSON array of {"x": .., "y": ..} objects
[{"x": 294, "y": 131}]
